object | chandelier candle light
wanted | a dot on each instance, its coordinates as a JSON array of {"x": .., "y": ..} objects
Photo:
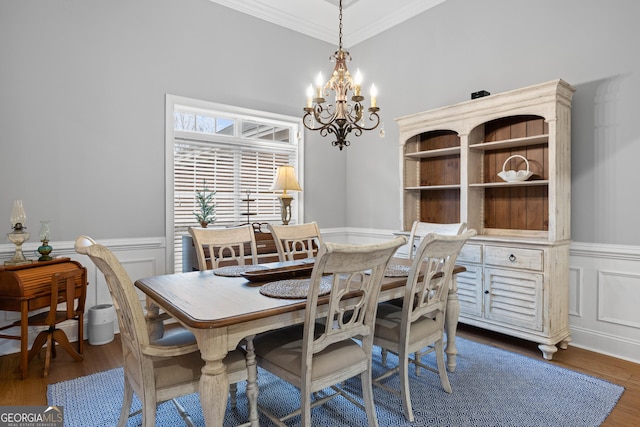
[
  {"x": 286, "y": 180},
  {"x": 344, "y": 116}
]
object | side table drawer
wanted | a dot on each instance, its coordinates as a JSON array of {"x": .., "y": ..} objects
[{"x": 530, "y": 259}]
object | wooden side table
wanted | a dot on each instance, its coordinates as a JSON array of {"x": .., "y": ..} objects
[{"x": 26, "y": 288}]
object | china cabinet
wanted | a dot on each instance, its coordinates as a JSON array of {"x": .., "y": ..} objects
[{"x": 452, "y": 160}]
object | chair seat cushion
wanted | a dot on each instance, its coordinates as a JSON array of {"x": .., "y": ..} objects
[
  {"x": 176, "y": 336},
  {"x": 236, "y": 361},
  {"x": 178, "y": 369},
  {"x": 187, "y": 368},
  {"x": 283, "y": 348},
  {"x": 389, "y": 320}
]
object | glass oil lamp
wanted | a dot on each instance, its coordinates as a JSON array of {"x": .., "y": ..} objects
[
  {"x": 45, "y": 234},
  {"x": 19, "y": 235}
]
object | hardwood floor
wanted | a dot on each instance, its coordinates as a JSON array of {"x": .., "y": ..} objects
[{"x": 32, "y": 391}]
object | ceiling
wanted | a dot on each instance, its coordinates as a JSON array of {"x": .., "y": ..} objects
[{"x": 361, "y": 19}]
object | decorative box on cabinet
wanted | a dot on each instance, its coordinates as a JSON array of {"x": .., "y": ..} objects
[{"x": 517, "y": 266}]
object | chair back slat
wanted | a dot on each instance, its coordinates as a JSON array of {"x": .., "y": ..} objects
[
  {"x": 296, "y": 241},
  {"x": 420, "y": 229},
  {"x": 224, "y": 246},
  {"x": 357, "y": 272},
  {"x": 431, "y": 273},
  {"x": 64, "y": 287}
]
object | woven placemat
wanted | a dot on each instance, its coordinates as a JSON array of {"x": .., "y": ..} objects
[
  {"x": 293, "y": 288},
  {"x": 235, "y": 270},
  {"x": 396, "y": 270}
]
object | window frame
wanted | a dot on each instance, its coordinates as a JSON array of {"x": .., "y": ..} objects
[{"x": 174, "y": 102}]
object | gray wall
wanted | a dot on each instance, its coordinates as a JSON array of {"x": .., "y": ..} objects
[
  {"x": 82, "y": 98},
  {"x": 82, "y": 88},
  {"x": 461, "y": 46}
]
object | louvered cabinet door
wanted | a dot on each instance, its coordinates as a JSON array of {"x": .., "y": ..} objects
[{"x": 514, "y": 297}]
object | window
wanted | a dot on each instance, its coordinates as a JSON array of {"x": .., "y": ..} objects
[{"x": 232, "y": 151}]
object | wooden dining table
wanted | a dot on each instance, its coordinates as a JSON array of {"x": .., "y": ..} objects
[{"x": 222, "y": 311}]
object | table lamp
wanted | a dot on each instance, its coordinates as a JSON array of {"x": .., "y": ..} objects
[
  {"x": 18, "y": 236},
  {"x": 286, "y": 180}
]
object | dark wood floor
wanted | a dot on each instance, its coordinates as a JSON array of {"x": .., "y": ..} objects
[{"x": 32, "y": 391}]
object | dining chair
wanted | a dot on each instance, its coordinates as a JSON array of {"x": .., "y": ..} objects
[
  {"x": 64, "y": 286},
  {"x": 296, "y": 241},
  {"x": 161, "y": 369},
  {"x": 335, "y": 342},
  {"x": 216, "y": 247},
  {"x": 420, "y": 321},
  {"x": 419, "y": 230}
]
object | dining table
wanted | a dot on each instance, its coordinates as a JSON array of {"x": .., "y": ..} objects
[{"x": 224, "y": 310}]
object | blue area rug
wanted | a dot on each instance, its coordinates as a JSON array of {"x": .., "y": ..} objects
[{"x": 491, "y": 387}]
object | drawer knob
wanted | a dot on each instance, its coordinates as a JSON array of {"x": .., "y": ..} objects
[
  {"x": 486, "y": 292},
  {"x": 512, "y": 258}
]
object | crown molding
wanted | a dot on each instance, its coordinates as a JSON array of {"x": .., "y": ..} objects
[{"x": 318, "y": 18}]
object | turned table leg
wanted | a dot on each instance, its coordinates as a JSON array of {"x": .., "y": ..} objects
[
  {"x": 451, "y": 324},
  {"x": 214, "y": 382}
]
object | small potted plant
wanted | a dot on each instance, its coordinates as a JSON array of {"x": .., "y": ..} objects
[{"x": 206, "y": 213}]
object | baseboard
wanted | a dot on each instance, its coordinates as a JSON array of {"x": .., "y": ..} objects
[{"x": 611, "y": 345}]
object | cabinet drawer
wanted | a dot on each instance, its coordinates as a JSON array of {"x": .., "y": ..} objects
[
  {"x": 471, "y": 253},
  {"x": 530, "y": 259}
]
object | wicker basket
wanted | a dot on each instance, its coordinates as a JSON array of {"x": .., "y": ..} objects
[{"x": 513, "y": 175}]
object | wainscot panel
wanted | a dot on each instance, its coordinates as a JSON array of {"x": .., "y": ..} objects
[
  {"x": 603, "y": 294},
  {"x": 140, "y": 257},
  {"x": 604, "y": 286}
]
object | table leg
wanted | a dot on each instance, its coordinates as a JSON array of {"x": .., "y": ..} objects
[
  {"x": 252, "y": 383},
  {"x": 451, "y": 325},
  {"x": 24, "y": 339},
  {"x": 214, "y": 382}
]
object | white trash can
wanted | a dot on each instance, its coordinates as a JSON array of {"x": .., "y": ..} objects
[{"x": 101, "y": 318}]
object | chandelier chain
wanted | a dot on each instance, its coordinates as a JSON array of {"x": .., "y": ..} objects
[{"x": 340, "y": 27}]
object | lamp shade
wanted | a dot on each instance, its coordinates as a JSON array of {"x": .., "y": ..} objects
[{"x": 286, "y": 180}]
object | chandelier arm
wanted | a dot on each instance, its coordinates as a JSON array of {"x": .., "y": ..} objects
[{"x": 372, "y": 116}]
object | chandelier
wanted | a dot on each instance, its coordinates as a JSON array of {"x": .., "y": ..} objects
[{"x": 344, "y": 116}]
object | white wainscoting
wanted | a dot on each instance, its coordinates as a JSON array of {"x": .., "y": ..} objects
[
  {"x": 604, "y": 288},
  {"x": 140, "y": 257},
  {"x": 604, "y": 293},
  {"x": 604, "y": 297}
]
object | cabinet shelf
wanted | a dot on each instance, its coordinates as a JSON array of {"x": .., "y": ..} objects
[
  {"x": 433, "y": 187},
  {"x": 511, "y": 143},
  {"x": 433, "y": 153},
  {"x": 539, "y": 182}
]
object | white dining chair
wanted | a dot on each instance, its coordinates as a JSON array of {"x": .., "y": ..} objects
[
  {"x": 296, "y": 241},
  {"x": 224, "y": 246},
  {"x": 419, "y": 230},
  {"x": 419, "y": 323},
  {"x": 335, "y": 341},
  {"x": 156, "y": 370}
]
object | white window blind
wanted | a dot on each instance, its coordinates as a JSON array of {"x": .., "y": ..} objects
[{"x": 235, "y": 155}]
